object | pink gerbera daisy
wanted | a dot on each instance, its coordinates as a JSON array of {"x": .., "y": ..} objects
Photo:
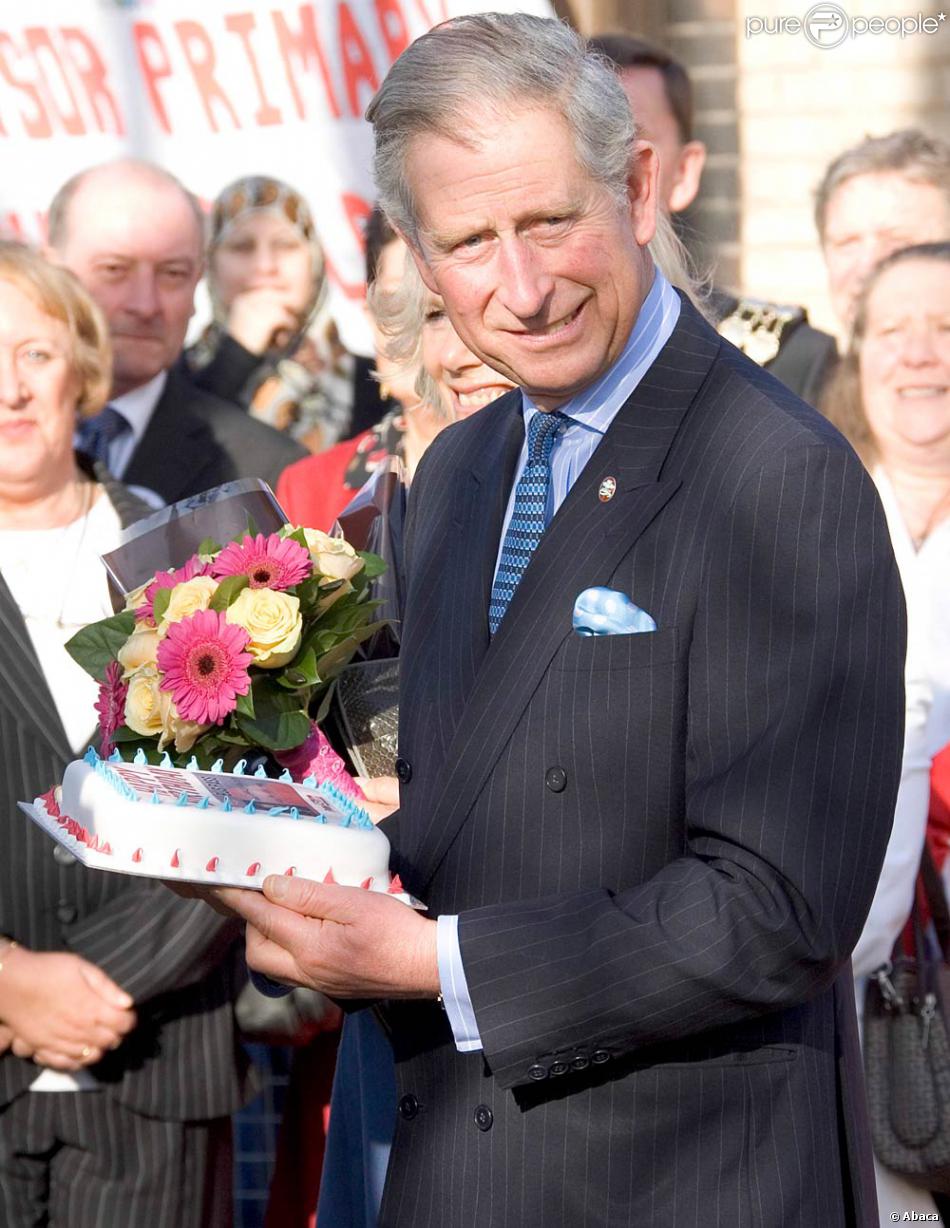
[
  {"x": 204, "y": 666},
  {"x": 268, "y": 562},
  {"x": 169, "y": 579},
  {"x": 111, "y": 706}
]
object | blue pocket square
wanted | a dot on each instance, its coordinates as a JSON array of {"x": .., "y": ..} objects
[{"x": 605, "y": 611}]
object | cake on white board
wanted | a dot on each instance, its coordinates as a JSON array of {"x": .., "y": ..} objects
[{"x": 218, "y": 827}]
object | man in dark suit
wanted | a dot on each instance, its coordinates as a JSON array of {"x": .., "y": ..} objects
[
  {"x": 134, "y": 238},
  {"x": 660, "y": 92},
  {"x": 649, "y": 855}
]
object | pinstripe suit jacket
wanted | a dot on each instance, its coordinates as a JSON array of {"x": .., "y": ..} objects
[
  {"x": 656, "y": 937},
  {"x": 175, "y": 957}
]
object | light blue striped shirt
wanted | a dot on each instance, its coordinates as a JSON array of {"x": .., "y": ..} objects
[{"x": 591, "y": 413}]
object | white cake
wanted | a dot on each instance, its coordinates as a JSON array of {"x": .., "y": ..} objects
[{"x": 212, "y": 826}]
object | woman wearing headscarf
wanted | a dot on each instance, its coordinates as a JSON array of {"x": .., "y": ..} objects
[{"x": 271, "y": 346}]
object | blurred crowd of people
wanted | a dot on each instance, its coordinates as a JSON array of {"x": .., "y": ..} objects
[{"x": 122, "y": 1064}]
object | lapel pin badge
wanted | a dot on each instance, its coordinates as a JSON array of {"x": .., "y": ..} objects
[{"x": 608, "y": 488}]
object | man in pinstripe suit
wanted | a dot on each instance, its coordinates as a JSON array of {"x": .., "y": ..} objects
[{"x": 649, "y": 855}]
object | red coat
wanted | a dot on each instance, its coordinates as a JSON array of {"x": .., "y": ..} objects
[{"x": 312, "y": 491}]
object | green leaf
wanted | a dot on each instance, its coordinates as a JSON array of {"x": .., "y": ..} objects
[
  {"x": 336, "y": 658},
  {"x": 209, "y": 546},
  {"x": 160, "y": 604},
  {"x": 276, "y": 730},
  {"x": 245, "y": 703},
  {"x": 321, "y": 713},
  {"x": 252, "y": 528},
  {"x": 95, "y": 646},
  {"x": 302, "y": 671},
  {"x": 300, "y": 537},
  {"x": 227, "y": 591},
  {"x": 373, "y": 565}
]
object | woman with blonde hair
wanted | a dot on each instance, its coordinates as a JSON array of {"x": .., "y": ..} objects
[{"x": 84, "y": 1049}]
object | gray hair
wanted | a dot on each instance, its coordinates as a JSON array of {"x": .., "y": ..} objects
[
  {"x": 57, "y": 222},
  {"x": 494, "y": 61},
  {"x": 400, "y": 315},
  {"x": 908, "y": 152}
]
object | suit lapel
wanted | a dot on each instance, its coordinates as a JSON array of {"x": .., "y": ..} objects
[
  {"x": 171, "y": 451},
  {"x": 582, "y": 547},
  {"x": 25, "y": 691}
]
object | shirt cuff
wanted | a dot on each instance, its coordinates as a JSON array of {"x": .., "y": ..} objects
[{"x": 455, "y": 996}]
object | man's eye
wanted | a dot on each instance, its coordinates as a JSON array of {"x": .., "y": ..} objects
[{"x": 37, "y": 355}]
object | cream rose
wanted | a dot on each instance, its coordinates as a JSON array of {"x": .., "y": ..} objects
[
  {"x": 332, "y": 557},
  {"x": 273, "y": 622},
  {"x": 186, "y": 598},
  {"x": 175, "y": 728},
  {"x": 137, "y": 596},
  {"x": 143, "y": 702},
  {"x": 139, "y": 650}
]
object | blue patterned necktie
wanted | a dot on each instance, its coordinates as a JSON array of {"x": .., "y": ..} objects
[
  {"x": 96, "y": 434},
  {"x": 527, "y": 517}
]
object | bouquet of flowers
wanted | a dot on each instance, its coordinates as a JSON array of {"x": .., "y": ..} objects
[{"x": 233, "y": 652}]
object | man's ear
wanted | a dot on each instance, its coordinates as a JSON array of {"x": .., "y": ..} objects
[
  {"x": 642, "y": 186},
  {"x": 689, "y": 171}
]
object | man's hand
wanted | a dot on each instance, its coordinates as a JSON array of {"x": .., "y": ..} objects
[
  {"x": 61, "y": 1010},
  {"x": 381, "y": 795},
  {"x": 345, "y": 941}
]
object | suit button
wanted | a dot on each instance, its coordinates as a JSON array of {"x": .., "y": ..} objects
[
  {"x": 556, "y": 779},
  {"x": 63, "y": 855},
  {"x": 404, "y": 771},
  {"x": 559, "y": 1068},
  {"x": 66, "y": 914},
  {"x": 408, "y": 1107},
  {"x": 537, "y": 1072},
  {"x": 483, "y": 1117},
  {"x": 580, "y": 1062},
  {"x": 599, "y": 1056}
]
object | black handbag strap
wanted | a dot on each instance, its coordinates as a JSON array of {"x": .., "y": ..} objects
[{"x": 936, "y": 897}]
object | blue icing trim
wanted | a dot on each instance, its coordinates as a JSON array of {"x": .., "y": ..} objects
[
  {"x": 238, "y": 769},
  {"x": 204, "y": 803},
  {"x": 166, "y": 760},
  {"x": 294, "y": 812},
  {"x": 140, "y": 759},
  {"x": 193, "y": 765},
  {"x": 310, "y": 782},
  {"x": 115, "y": 780},
  {"x": 353, "y": 814},
  {"x": 182, "y": 799},
  {"x": 90, "y": 757},
  {"x": 218, "y": 765},
  {"x": 250, "y": 808},
  {"x": 259, "y": 771},
  {"x": 285, "y": 777},
  {"x": 276, "y": 810},
  {"x": 115, "y": 757},
  {"x": 155, "y": 799},
  {"x": 226, "y": 803}
]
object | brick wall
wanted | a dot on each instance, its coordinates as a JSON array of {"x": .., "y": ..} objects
[{"x": 774, "y": 110}]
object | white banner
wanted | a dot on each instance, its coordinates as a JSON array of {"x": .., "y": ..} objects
[{"x": 211, "y": 91}]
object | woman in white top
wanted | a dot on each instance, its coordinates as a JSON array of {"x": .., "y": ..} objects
[{"x": 891, "y": 398}]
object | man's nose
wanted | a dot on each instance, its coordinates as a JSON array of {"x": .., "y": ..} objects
[
  {"x": 142, "y": 296},
  {"x": 524, "y": 284}
]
